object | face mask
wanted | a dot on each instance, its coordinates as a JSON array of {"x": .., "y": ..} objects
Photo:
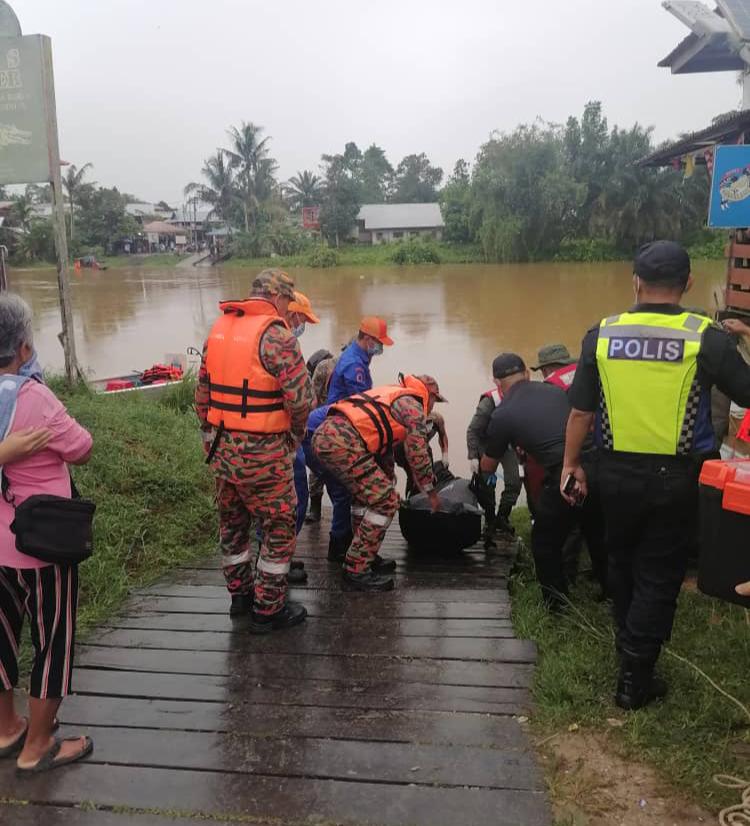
[
  {"x": 376, "y": 349},
  {"x": 297, "y": 331}
]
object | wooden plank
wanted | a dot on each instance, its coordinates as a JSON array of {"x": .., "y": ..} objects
[
  {"x": 739, "y": 276},
  {"x": 25, "y": 815},
  {"x": 290, "y": 800},
  {"x": 318, "y": 580},
  {"x": 274, "y": 666},
  {"x": 325, "y": 604},
  {"x": 425, "y": 727},
  {"x": 332, "y": 627},
  {"x": 738, "y": 250},
  {"x": 426, "y": 594},
  {"x": 323, "y": 693},
  {"x": 737, "y": 298},
  {"x": 305, "y": 641},
  {"x": 318, "y": 758}
]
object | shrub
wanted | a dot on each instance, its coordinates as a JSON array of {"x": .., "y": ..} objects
[
  {"x": 587, "y": 250},
  {"x": 322, "y": 257},
  {"x": 415, "y": 251}
]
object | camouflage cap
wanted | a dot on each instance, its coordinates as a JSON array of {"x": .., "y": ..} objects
[
  {"x": 432, "y": 386},
  {"x": 553, "y": 354},
  {"x": 273, "y": 282}
]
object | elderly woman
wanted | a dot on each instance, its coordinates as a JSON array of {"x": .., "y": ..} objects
[{"x": 46, "y": 595}]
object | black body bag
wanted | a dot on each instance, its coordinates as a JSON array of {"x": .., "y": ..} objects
[{"x": 52, "y": 528}]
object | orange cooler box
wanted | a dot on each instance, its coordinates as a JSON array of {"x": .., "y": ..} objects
[{"x": 725, "y": 529}]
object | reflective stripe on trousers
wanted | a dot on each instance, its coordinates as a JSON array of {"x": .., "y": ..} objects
[{"x": 278, "y": 568}]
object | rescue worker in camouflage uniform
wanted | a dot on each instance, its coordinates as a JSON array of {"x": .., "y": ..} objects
[
  {"x": 320, "y": 366},
  {"x": 355, "y": 443},
  {"x": 253, "y": 399}
]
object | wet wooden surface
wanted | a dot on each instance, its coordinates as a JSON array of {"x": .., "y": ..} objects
[{"x": 396, "y": 709}]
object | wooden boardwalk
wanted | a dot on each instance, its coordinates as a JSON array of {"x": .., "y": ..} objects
[{"x": 397, "y": 709}]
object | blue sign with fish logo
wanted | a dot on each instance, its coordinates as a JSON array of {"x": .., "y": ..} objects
[{"x": 729, "y": 206}]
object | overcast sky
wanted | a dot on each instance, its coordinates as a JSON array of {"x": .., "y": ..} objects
[{"x": 146, "y": 88}]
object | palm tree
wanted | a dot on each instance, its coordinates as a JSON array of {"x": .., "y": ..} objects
[
  {"x": 304, "y": 189},
  {"x": 248, "y": 157},
  {"x": 22, "y": 212},
  {"x": 218, "y": 191},
  {"x": 72, "y": 183}
]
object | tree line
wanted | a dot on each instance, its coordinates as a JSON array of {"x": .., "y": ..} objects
[
  {"x": 542, "y": 191},
  {"x": 240, "y": 184},
  {"x": 572, "y": 191}
]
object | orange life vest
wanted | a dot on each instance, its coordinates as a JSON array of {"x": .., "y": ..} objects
[
  {"x": 243, "y": 395},
  {"x": 371, "y": 415}
]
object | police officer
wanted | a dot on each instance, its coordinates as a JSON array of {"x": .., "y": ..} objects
[
  {"x": 644, "y": 378},
  {"x": 253, "y": 399}
]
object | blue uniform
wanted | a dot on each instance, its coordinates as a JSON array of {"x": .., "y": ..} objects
[
  {"x": 352, "y": 374},
  {"x": 300, "y": 485},
  {"x": 341, "y": 525}
]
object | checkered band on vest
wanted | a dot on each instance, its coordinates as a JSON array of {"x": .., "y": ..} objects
[
  {"x": 687, "y": 435},
  {"x": 608, "y": 442}
]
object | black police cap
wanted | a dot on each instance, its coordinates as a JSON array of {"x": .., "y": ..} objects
[
  {"x": 507, "y": 364},
  {"x": 662, "y": 261}
]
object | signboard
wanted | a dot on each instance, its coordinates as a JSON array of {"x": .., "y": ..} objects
[
  {"x": 311, "y": 217},
  {"x": 729, "y": 207}
]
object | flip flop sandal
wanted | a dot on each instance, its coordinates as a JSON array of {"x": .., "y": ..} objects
[{"x": 49, "y": 761}]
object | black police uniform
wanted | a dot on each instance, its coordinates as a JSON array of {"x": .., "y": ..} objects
[{"x": 534, "y": 416}]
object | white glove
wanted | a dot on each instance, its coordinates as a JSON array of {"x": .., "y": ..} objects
[
  {"x": 446, "y": 460},
  {"x": 474, "y": 465}
]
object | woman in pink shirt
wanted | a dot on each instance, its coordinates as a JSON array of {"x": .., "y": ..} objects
[{"x": 46, "y": 595}]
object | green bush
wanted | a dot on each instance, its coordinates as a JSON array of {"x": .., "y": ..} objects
[
  {"x": 710, "y": 245},
  {"x": 415, "y": 251},
  {"x": 587, "y": 250},
  {"x": 322, "y": 257}
]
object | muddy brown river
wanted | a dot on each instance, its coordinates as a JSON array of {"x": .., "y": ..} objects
[{"x": 448, "y": 320}]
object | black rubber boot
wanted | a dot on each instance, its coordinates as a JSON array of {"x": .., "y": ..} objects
[
  {"x": 368, "y": 581},
  {"x": 383, "y": 566},
  {"x": 338, "y": 546},
  {"x": 242, "y": 604},
  {"x": 297, "y": 574},
  {"x": 313, "y": 515},
  {"x": 502, "y": 523},
  {"x": 290, "y": 615},
  {"x": 637, "y": 686}
]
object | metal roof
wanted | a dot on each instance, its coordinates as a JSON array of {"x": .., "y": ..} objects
[
  {"x": 726, "y": 128},
  {"x": 401, "y": 216}
]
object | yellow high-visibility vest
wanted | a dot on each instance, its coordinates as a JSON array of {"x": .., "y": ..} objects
[{"x": 647, "y": 365}]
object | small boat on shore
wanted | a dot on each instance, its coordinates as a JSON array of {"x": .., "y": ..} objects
[{"x": 153, "y": 382}]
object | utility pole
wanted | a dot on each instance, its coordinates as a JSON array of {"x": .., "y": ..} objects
[{"x": 67, "y": 337}]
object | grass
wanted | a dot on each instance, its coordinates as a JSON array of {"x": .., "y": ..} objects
[
  {"x": 153, "y": 494},
  {"x": 694, "y": 734},
  {"x": 357, "y": 256}
]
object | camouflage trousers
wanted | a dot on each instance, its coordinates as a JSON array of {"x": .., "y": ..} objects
[
  {"x": 316, "y": 486},
  {"x": 264, "y": 499},
  {"x": 338, "y": 446}
]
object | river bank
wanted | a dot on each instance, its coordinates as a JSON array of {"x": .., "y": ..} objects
[
  {"x": 693, "y": 735},
  {"x": 352, "y": 255}
]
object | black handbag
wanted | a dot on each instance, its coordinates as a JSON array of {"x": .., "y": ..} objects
[{"x": 54, "y": 529}]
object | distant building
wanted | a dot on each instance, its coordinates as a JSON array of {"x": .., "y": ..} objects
[{"x": 386, "y": 223}]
